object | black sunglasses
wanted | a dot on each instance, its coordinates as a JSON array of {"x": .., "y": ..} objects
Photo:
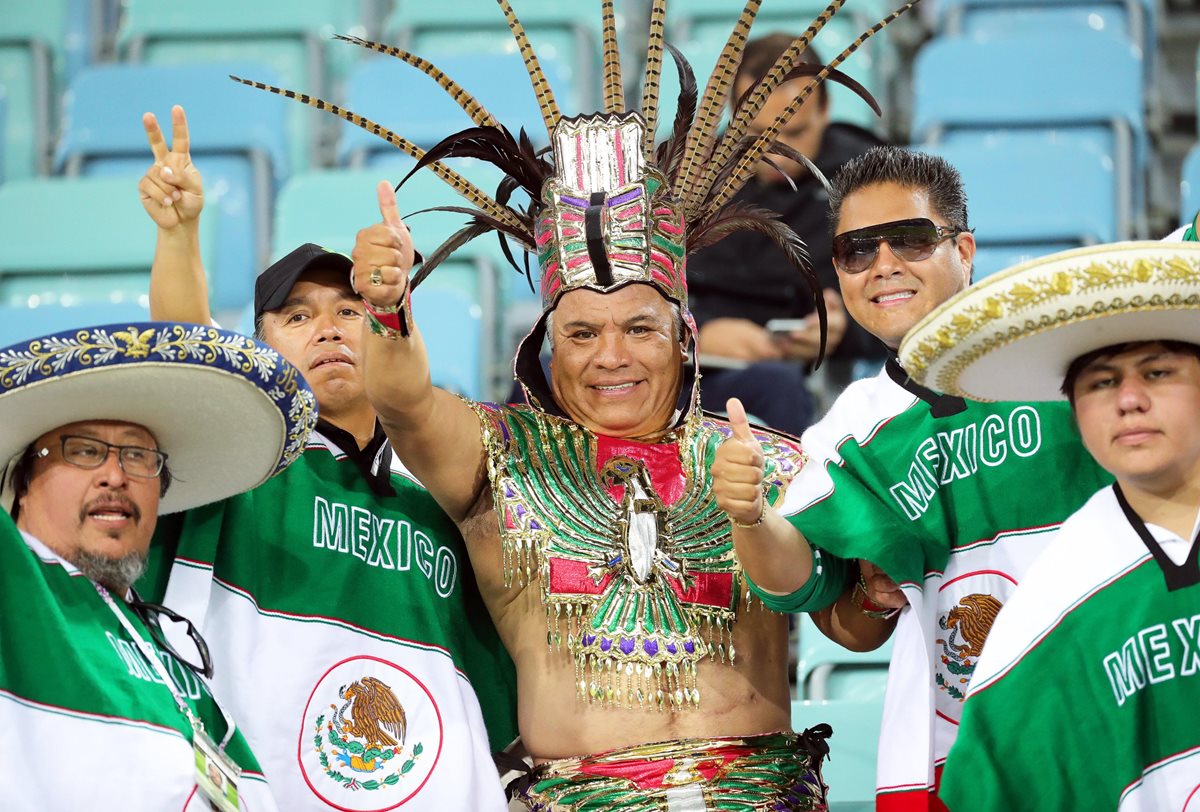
[
  {"x": 911, "y": 240},
  {"x": 200, "y": 662}
]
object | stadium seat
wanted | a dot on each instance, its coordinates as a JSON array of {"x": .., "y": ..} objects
[
  {"x": 1087, "y": 82},
  {"x": 992, "y": 258},
  {"x": 294, "y": 39},
  {"x": 1189, "y": 186},
  {"x": 849, "y": 771},
  {"x": 19, "y": 323},
  {"x": 566, "y": 32},
  {"x": 1014, "y": 211},
  {"x": 828, "y": 671},
  {"x": 498, "y": 81},
  {"x": 76, "y": 241},
  {"x": 237, "y": 142},
  {"x": 451, "y": 326},
  {"x": 31, "y": 68}
]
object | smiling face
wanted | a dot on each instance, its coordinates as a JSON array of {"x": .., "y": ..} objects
[
  {"x": 319, "y": 330},
  {"x": 1139, "y": 416},
  {"x": 892, "y": 295},
  {"x": 100, "y": 519},
  {"x": 617, "y": 362}
]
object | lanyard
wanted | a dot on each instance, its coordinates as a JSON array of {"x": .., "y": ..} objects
[
  {"x": 156, "y": 663},
  {"x": 1177, "y": 576}
]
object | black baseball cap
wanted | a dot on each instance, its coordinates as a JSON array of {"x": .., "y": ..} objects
[{"x": 274, "y": 284}]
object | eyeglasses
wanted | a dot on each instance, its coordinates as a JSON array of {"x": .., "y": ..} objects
[
  {"x": 196, "y": 659},
  {"x": 88, "y": 452},
  {"x": 911, "y": 240}
]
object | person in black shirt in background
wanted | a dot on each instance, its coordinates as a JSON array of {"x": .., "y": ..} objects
[{"x": 745, "y": 281}]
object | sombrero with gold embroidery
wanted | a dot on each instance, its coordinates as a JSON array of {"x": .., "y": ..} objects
[
  {"x": 1012, "y": 335},
  {"x": 228, "y": 411}
]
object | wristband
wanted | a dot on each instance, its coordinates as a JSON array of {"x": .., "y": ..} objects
[
  {"x": 761, "y": 516},
  {"x": 867, "y": 606},
  {"x": 390, "y": 321}
]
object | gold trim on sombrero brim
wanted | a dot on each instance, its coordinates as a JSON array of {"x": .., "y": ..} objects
[{"x": 1013, "y": 335}]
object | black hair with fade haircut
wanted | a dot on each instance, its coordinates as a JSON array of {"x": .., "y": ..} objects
[
  {"x": 22, "y": 476},
  {"x": 1088, "y": 358},
  {"x": 760, "y": 55},
  {"x": 904, "y": 167}
]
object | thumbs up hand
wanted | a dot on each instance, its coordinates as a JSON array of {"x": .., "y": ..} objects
[
  {"x": 383, "y": 254},
  {"x": 738, "y": 470}
]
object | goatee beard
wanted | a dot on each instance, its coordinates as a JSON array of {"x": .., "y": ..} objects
[{"x": 115, "y": 574}]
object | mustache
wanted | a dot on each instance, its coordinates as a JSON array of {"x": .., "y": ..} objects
[{"x": 110, "y": 501}]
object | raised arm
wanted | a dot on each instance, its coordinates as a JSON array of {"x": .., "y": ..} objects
[
  {"x": 776, "y": 556},
  {"x": 173, "y": 195},
  {"x": 436, "y": 434}
]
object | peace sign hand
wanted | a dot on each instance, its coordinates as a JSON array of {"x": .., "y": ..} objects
[{"x": 172, "y": 191}]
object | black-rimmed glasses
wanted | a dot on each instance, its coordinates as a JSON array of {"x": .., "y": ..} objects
[
  {"x": 197, "y": 660},
  {"x": 88, "y": 452},
  {"x": 911, "y": 240}
]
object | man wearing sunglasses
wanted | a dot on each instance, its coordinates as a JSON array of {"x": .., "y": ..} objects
[
  {"x": 104, "y": 429},
  {"x": 953, "y": 500}
]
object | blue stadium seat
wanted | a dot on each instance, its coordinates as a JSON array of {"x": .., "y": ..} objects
[
  {"x": 451, "y": 325},
  {"x": 1086, "y": 81},
  {"x": 850, "y": 769},
  {"x": 21, "y": 323},
  {"x": 1189, "y": 186},
  {"x": 828, "y": 671},
  {"x": 31, "y": 70},
  {"x": 498, "y": 81},
  {"x": 1013, "y": 208},
  {"x": 293, "y": 38},
  {"x": 236, "y": 141},
  {"x": 52, "y": 256},
  {"x": 566, "y": 32}
]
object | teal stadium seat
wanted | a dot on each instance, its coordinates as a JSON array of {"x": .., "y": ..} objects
[
  {"x": 999, "y": 168},
  {"x": 76, "y": 242},
  {"x": 850, "y": 769},
  {"x": 22, "y": 323},
  {"x": 563, "y": 31},
  {"x": 31, "y": 70},
  {"x": 237, "y": 142},
  {"x": 293, "y": 38},
  {"x": 1087, "y": 83},
  {"x": 827, "y": 671},
  {"x": 498, "y": 81},
  {"x": 451, "y": 325}
]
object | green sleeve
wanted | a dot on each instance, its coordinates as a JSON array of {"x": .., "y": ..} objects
[{"x": 824, "y": 586}]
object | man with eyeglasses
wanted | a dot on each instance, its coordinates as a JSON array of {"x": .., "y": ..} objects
[
  {"x": 953, "y": 500},
  {"x": 104, "y": 429}
]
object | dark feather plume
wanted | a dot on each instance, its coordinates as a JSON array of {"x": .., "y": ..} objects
[
  {"x": 456, "y": 241},
  {"x": 670, "y": 151}
]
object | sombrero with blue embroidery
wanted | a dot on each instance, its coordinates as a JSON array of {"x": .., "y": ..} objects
[
  {"x": 1012, "y": 335},
  {"x": 227, "y": 410}
]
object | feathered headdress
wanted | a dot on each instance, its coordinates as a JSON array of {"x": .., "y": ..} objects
[{"x": 608, "y": 207}]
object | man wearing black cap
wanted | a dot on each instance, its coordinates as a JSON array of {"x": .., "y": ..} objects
[{"x": 351, "y": 622}]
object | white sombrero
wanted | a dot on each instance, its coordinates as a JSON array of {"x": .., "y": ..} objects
[
  {"x": 1012, "y": 335},
  {"x": 228, "y": 411}
]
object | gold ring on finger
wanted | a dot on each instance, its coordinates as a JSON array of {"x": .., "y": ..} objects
[{"x": 376, "y": 276}]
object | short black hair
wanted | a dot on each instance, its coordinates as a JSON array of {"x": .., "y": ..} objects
[
  {"x": 904, "y": 167},
  {"x": 1088, "y": 358},
  {"x": 22, "y": 476},
  {"x": 761, "y": 53}
]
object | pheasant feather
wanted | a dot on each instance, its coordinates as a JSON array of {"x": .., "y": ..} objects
[
  {"x": 654, "y": 54},
  {"x": 614, "y": 93},
  {"x": 541, "y": 88}
]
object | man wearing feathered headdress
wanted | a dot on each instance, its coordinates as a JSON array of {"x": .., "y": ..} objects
[{"x": 648, "y": 675}]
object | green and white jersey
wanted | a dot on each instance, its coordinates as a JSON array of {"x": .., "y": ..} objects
[
  {"x": 88, "y": 722},
  {"x": 955, "y": 508},
  {"x": 348, "y": 637},
  {"x": 1088, "y": 693}
]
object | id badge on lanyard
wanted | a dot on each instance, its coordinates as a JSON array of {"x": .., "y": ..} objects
[{"x": 217, "y": 776}]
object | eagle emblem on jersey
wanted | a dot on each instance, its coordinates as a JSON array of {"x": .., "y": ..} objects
[{"x": 966, "y": 626}]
